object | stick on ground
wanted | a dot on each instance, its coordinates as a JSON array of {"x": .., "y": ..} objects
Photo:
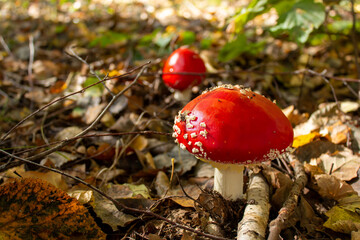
[
  {"x": 256, "y": 215},
  {"x": 291, "y": 202}
]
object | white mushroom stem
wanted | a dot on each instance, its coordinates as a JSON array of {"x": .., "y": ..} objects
[
  {"x": 183, "y": 96},
  {"x": 254, "y": 223},
  {"x": 228, "y": 181}
]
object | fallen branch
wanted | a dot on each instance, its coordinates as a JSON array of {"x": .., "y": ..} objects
[
  {"x": 288, "y": 209},
  {"x": 256, "y": 215}
]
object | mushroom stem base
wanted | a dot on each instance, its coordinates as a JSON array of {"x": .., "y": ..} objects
[{"x": 229, "y": 182}]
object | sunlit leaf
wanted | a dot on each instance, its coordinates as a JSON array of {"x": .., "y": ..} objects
[
  {"x": 240, "y": 45},
  {"x": 344, "y": 218},
  {"x": 94, "y": 91},
  {"x": 34, "y": 209},
  {"x": 301, "y": 19}
]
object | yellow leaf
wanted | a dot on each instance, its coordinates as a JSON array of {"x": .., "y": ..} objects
[
  {"x": 343, "y": 217},
  {"x": 305, "y": 139},
  {"x": 183, "y": 201}
]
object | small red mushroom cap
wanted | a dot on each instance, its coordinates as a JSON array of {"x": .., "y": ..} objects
[
  {"x": 232, "y": 124},
  {"x": 183, "y": 60}
]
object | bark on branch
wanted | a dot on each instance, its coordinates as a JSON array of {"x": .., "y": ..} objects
[
  {"x": 291, "y": 202},
  {"x": 256, "y": 215}
]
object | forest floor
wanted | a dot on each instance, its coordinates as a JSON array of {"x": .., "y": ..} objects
[{"x": 114, "y": 138}]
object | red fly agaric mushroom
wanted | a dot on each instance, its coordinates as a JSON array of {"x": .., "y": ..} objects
[
  {"x": 229, "y": 127},
  {"x": 183, "y": 61}
]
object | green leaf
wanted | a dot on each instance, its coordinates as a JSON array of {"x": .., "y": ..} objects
[
  {"x": 149, "y": 38},
  {"x": 206, "y": 43},
  {"x": 94, "y": 91},
  {"x": 302, "y": 18},
  {"x": 188, "y": 37},
  {"x": 240, "y": 45},
  {"x": 255, "y": 8},
  {"x": 107, "y": 38}
]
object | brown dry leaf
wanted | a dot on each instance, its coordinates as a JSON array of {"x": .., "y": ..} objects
[
  {"x": 162, "y": 184},
  {"x": 44, "y": 69},
  {"x": 105, "y": 152},
  {"x": 183, "y": 201},
  {"x": 187, "y": 236},
  {"x": 33, "y": 208},
  {"x": 139, "y": 143},
  {"x": 339, "y": 132},
  {"x": 154, "y": 237},
  {"x": 294, "y": 116},
  {"x": 342, "y": 164},
  {"x": 308, "y": 218},
  {"x": 67, "y": 133},
  {"x": 333, "y": 188},
  {"x": 281, "y": 182},
  {"x": 108, "y": 120},
  {"x": 109, "y": 214},
  {"x": 58, "y": 87},
  {"x": 51, "y": 177},
  {"x": 93, "y": 112}
]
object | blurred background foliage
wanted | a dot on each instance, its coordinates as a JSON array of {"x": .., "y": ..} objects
[{"x": 266, "y": 35}]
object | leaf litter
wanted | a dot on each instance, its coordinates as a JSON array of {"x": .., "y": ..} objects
[{"x": 327, "y": 136}]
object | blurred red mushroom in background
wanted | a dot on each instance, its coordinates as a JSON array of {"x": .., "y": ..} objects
[
  {"x": 183, "y": 61},
  {"x": 229, "y": 127}
]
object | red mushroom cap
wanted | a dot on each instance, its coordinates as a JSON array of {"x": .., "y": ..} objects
[
  {"x": 183, "y": 60},
  {"x": 232, "y": 124}
]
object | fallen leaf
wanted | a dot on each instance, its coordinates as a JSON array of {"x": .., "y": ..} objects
[
  {"x": 333, "y": 188},
  {"x": 183, "y": 201},
  {"x": 342, "y": 164},
  {"x": 162, "y": 184},
  {"x": 305, "y": 139},
  {"x": 67, "y": 133},
  {"x": 345, "y": 217},
  {"x": 109, "y": 214},
  {"x": 33, "y": 208},
  {"x": 338, "y": 132},
  {"x": 83, "y": 196}
]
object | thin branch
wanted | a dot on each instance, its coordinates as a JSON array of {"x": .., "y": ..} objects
[
  {"x": 98, "y": 118},
  {"x": 5, "y": 46},
  {"x": 63, "y": 98},
  {"x": 3, "y": 167},
  {"x": 91, "y": 69},
  {"x": 308, "y": 72},
  {"x": 288, "y": 209},
  {"x": 118, "y": 205},
  {"x": 353, "y": 37}
]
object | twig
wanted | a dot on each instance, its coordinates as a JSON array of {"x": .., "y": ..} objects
[
  {"x": 85, "y": 136},
  {"x": 118, "y": 205},
  {"x": 291, "y": 202},
  {"x": 98, "y": 118},
  {"x": 63, "y": 98},
  {"x": 5, "y": 46},
  {"x": 256, "y": 215},
  {"x": 354, "y": 40},
  {"x": 308, "y": 72},
  {"x": 91, "y": 69},
  {"x": 31, "y": 59}
]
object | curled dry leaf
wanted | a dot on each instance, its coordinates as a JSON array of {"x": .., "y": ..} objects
[
  {"x": 342, "y": 164},
  {"x": 281, "y": 182},
  {"x": 333, "y": 188},
  {"x": 33, "y": 208}
]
